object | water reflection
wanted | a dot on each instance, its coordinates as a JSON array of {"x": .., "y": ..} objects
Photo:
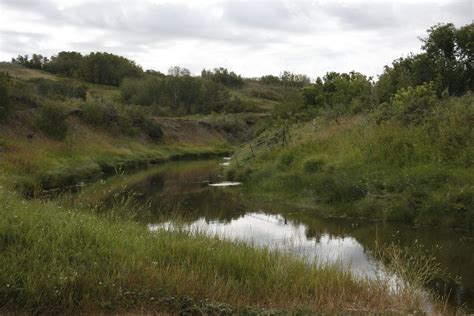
[
  {"x": 277, "y": 232},
  {"x": 183, "y": 188}
]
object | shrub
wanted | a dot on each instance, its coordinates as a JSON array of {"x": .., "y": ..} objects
[
  {"x": 286, "y": 160},
  {"x": 266, "y": 94},
  {"x": 153, "y": 130},
  {"x": 312, "y": 165},
  {"x": 412, "y": 105},
  {"x": 451, "y": 130},
  {"x": 125, "y": 120},
  {"x": 97, "y": 114},
  {"x": 223, "y": 76},
  {"x": 51, "y": 120},
  {"x": 181, "y": 95},
  {"x": 61, "y": 89}
]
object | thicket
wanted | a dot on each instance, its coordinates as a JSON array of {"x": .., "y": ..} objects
[
  {"x": 98, "y": 67},
  {"x": 180, "y": 95},
  {"x": 51, "y": 120},
  {"x": 340, "y": 93},
  {"x": 447, "y": 61},
  {"x": 223, "y": 76},
  {"x": 62, "y": 89},
  {"x": 120, "y": 119},
  {"x": 286, "y": 78},
  {"x": 406, "y": 90}
]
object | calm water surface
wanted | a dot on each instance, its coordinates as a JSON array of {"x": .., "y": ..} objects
[{"x": 195, "y": 191}]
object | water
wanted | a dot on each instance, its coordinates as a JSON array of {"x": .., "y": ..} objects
[{"x": 197, "y": 193}]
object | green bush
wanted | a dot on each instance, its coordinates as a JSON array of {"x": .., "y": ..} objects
[
  {"x": 181, "y": 95},
  {"x": 312, "y": 165},
  {"x": 286, "y": 160},
  {"x": 61, "y": 89},
  {"x": 412, "y": 105},
  {"x": 267, "y": 94},
  {"x": 153, "y": 130},
  {"x": 120, "y": 119},
  {"x": 451, "y": 130},
  {"x": 51, "y": 120}
]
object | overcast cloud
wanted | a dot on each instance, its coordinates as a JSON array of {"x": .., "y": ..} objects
[{"x": 250, "y": 37}]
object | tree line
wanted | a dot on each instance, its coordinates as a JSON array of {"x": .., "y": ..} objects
[
  {"x": 445, "y": 67},
  {"x": 405, "y": 89},
  {"x": 98, "y": 67}
]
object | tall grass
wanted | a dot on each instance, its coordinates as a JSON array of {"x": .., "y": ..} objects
[
  {"x": 57, "y": 260},
  {"x": 356, "y": 167}
]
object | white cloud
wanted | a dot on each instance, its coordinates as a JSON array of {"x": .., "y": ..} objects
[{"x": 250, "y": 37}]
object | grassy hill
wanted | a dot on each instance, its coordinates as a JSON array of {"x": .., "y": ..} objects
[{"x": 102, "y": 134}]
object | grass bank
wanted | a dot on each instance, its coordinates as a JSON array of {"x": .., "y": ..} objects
[
  {"x": 356, "y": 167},
  {"x": 57, "y": 260}
]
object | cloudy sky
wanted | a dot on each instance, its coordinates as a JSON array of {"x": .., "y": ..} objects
[{"x": 250, "y": 37}]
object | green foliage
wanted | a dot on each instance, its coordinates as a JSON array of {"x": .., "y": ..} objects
[
  {"x": 223, "y": 76},
  {"x": 267, "y": 94},
  {"x": 290, "y": 79},
  {"x": 270, "y": 80},
  {"x": 67, "y": 261},
  {"x": 36, "y": 61},
  {"x": 292, "y": 108},
  {"x": 99, "y": 67},
  {"x": 108, "y": 69},
  {"x": 447, "y": 62},
  {"x": 65, "y": 64},
  {"x": 61, "y": 89},
  {"x": 340, "y": 93},
  {"x": 177, "y": 71},
  {"x": 411, "y": 105},
  {"x": 286, "y": 160},
  {"x": 419, "y": 172},
  {"x": 451, "y": 128},
  {"x": 286, "y": 78},
  {"x": 120, "y": 119},
  {"x": 51, "y": 120},
  {"x": 232, "y": 125},
  {"x": 312, "y": 165},
  {"x": 180, "y": 94},
  {"x": 5, "y": 103}
]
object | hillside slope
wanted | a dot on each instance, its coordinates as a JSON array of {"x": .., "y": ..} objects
[{"x": 32, "y": 161}]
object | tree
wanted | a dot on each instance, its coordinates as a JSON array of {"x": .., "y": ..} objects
[
  {"x": 65, "y": 64},
  {"x": 105, "y": 68},
  {"x": 448, "y": 62},
  {"x": 270, "y": 79},
  {"x": 35, "y": 62},
  {"x": 177, "y": 71},
  {"x": 412, "y": 104},
  {"x": 294, "y": 80},
  {"x": 340, "y": 93},
  {"x": 51, "y": 120},
  {"x": 223, "y": 76}
]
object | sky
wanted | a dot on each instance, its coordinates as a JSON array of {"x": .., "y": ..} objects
[{"x": 252, "y": 38}]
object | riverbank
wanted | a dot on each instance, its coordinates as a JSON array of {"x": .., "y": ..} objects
[
  {"x": 59, "y": 260},
  {"x": 355, "y": 167}
]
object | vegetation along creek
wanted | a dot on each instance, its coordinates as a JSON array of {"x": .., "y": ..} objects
[
  {"x": 193, "y": 196},
  {"x": 339, "y": 186}
]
